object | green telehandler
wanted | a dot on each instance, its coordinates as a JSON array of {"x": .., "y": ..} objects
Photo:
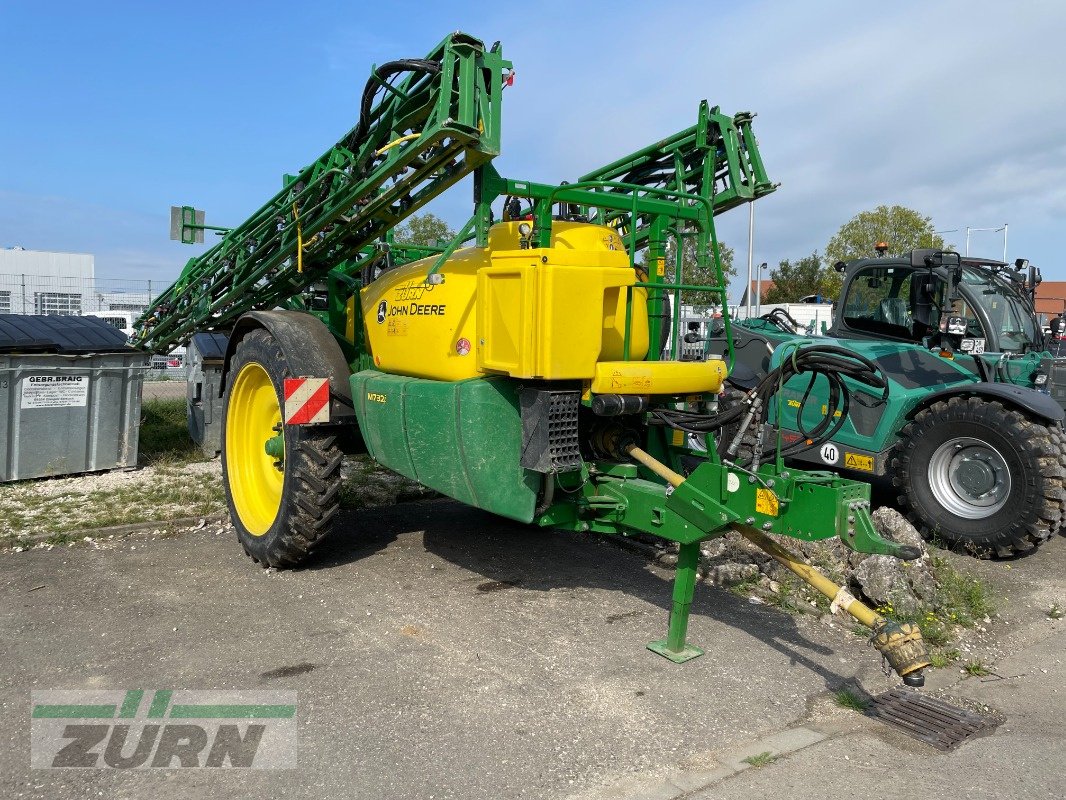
[{"x": 970, "y": 429}]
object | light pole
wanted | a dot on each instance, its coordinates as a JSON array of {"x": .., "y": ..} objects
[
  {"x": 937, "y": 233},
  {"x": 758, "y": 290},
  {"x": 997, "y": 230},
  {"x": 751, "y": 254}
]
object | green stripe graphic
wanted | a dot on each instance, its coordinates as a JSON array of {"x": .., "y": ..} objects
[
  {"x": 73, "y": 711},
  {"x": 233, "y": 711},
  {"x": 131, "y": 703},
  {"x": 160, "y": 701},
  {"x": 159, "y": 708}
]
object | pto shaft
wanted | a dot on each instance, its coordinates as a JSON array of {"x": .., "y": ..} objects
[{"x": 900, "y": 643}]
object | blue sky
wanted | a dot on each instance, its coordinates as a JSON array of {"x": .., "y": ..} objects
[{"x": 115, "y": 111}]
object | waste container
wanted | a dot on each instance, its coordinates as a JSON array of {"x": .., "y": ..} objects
[
  {"x": 70, "y": 396},
  {"x": 204, "y": 358}
]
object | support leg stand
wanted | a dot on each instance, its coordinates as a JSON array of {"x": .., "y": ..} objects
[{"x": 674, "y": 646}]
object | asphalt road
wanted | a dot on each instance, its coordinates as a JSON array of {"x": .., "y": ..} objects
[{"x": 437, "y": 651}]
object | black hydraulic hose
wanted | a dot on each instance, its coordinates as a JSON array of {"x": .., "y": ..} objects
[
  {"x": 774, "y": 317},
  {"x": 384, "y": 73},
  {"x": 832, "y": 362}
]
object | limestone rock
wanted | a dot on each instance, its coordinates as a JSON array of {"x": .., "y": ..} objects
[
  {"x": 893, "y": 525},
  {"x": 883, "y": 580},
  {"x": 730, "y": 574}
]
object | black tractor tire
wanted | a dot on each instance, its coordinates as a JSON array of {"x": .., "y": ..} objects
[
  {"x": 310, "y": 496},
  {"x": 1059, "y": 435},
  {"x": 979, "y": 477}
]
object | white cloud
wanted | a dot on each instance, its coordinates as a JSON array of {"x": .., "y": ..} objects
[{"x": 954, "y": 108}]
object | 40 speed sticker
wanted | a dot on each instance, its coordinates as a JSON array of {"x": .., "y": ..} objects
[{"x": 830, "y": 453}]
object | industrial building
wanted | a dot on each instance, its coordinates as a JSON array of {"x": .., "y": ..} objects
[
  {"x": 36, "y": 282},
  {"x": 64, "y": 284}
]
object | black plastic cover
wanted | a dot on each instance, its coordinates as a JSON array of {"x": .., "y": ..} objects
[
  {"x": 549, "y": 430},
  {"x": 26, "y": 333},
  {"x": 210, "y": 346}
]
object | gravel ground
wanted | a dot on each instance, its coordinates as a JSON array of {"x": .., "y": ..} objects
[
  {"x": 155, "y": 493},
  {"x": 440, "y": 651},
  {"x": 161, "y": 493},
  {"x": 105, "y": 481}
]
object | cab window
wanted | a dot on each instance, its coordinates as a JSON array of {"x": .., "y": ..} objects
[{"x": 880, "y": 301}]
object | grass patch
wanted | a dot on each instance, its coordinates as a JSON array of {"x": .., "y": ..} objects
[
  {"x": 169, "y": 494},
  {"x": 961, "y": 600},
  {"x": 164, "y": 434},
  {"x": 941, "y": 658},
  {"x": 761, "y": 760},
  {"x": 975, "y": 668},
  {"x": 749, "y": 586},
  {"x": 1055, "y": 612},
  {"x": 850, "y": 699}
]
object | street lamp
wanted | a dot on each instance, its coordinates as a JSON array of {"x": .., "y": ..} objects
[
  {"x": 758, "y": 290},
  {"x": 751, "y": 252},
  {"x": 997, "y": 230}
]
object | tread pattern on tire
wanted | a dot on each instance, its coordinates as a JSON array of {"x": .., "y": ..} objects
[
  {"x": 1058, "y": 434},
  {"x": 1044, "y": 505},
  {"x": 311, "y": 499}
]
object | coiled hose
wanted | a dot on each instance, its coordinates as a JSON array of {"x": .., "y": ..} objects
[
  {"x": 834, "y": 363},
  {"x": 384, "y": 73}
]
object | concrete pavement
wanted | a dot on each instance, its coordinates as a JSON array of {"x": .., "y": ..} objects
[{"x": 437, "y": 652}]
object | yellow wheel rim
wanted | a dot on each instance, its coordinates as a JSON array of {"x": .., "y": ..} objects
[{"x": 253, "y": 416}]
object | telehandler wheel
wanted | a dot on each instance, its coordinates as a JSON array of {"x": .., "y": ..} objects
[
  {"x": 1059, "y": 435},
  {"x": 979, "y": 476},
  {"x": 282, "y": 482}
]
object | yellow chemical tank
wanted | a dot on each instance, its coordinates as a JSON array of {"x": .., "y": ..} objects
[{"x": 549, "y": 313}]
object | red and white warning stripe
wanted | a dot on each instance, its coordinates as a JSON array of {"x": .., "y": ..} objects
[{"x": 306, "y": 400}]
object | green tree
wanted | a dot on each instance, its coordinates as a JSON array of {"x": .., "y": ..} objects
[
  {"x": 902, "y": 229},
  {"x": 700, "y": 276},
  {"x": 793, "y": 280},
  {"x": 425, "y": 230}
]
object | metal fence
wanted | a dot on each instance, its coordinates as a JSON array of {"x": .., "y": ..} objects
[
  {"x": 163, "y": 389},
  {"x": 58, "y": 295}
]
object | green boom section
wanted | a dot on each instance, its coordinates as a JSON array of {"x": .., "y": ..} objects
[
  {"x": 424, "y": 125},
  {"x": 462, "y": 439},
  {"x": 717, "y": 158}
]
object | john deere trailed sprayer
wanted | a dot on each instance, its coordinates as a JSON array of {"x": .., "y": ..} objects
[{"x": 523, "y": 374}]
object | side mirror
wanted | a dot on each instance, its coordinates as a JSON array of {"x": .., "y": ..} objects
[
  {"x": 1021, "y": 263},
  {"x": 923, "y": 294}
]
